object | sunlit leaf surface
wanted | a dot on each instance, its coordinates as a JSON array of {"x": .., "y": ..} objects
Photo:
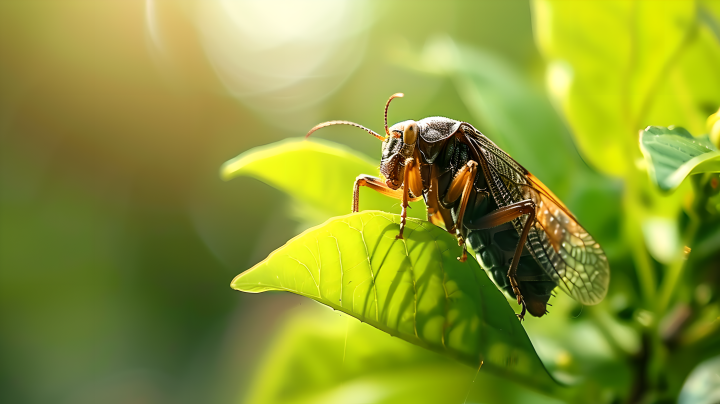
[
  {"x": 317, "y": 172},
  {"x": 414, "y": 288},
  {"x": 673, "y": 154}
]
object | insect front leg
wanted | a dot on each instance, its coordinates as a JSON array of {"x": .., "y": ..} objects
[
  {"x": 504, "y": 215},
  {"x": 460, "y": 187},
  {"x": 412, "y": 182},
  {"x": 376, "y": 184}
]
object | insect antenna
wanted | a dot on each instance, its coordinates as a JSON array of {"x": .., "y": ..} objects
[
  {"x": 330, "y": 123},
  {"x": 387, "y": 104}
]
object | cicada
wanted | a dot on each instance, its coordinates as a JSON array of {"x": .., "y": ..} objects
[{"x": 521, "y": 233}]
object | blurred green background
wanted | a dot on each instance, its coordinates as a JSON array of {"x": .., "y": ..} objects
[{"x": 118, "y": 239}]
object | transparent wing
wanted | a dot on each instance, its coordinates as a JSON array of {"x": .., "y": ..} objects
[
  {"x": 567, "y": 252},
  {"x": 562, "y": 247}
]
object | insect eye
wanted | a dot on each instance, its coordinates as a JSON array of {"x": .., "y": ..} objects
[{"x": 410, "y": 133}]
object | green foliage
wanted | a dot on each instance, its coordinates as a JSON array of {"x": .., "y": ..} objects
[
  {"x": 613, "y": 69},
  {"x": 117, "y": 239},
  {"x": 320, "y": 357},
  {"x": 616, "y": 67},
  {"x": 713, "y": 126},
  {"x": 316, "y": 173},
  {"x": 672, "y": 154},
  {"x": 414, "y": 288}
]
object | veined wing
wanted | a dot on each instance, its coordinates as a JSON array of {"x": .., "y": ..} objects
[{"x": 562, "y": 247}]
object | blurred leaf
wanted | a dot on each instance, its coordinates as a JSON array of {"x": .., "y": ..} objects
[
  {"x": 703, "y": 384},
  {"x": 586, "y": 346},
  {"x": 672, "y": 154},
  {"x": 708, "y": 241},
  {"x": 320, "y": 357},
  {"x": 606, "y": 60},
  {"x": 414, "y": 288},
  {"x": 317, "y": 172},
  {"x": 713, "y": 127},
  {"x": 705, "y": 326},
  {"x": 690, "y": 88},
  {"x": 662, "y": 238}
]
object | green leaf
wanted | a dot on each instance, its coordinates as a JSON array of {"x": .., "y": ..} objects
[
  {"x": 321, "y": 357},
  {"x": 713, "y": 127},
  {"x": 413, "y": 288},
  {"x": 317, "y": 172},
  {"x": 690, "y": 90},
  {"x": 672, "y": 154},
  {"x": 606, "y": 62}
]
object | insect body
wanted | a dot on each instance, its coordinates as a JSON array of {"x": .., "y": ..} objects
[{"x": 523, "y": 234}]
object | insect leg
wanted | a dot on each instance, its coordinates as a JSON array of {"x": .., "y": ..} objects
[
  {"x": 504, "y": 215},
  {"x": 463, "y": 181},
  {"x": 412, "y": 182},
  {"x": 378, "y": 185},
  {"x": 460, "y": 187},
  {"x": 435, "y": 213},
  {"x": 459, "y": 183}
]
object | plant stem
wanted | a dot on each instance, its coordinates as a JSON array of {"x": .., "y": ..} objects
[
  {"x": 646, "y": 272},
  {"x": 672, "y": 276},
  {"x": 640, "y": 362},
  {"x": 633, "y": 231}
]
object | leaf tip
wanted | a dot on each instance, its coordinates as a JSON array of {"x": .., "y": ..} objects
[
  {"x": 241, "y": 284},
  {"x": 227, "y": 170},
  {"x": 235, "y": 284}
]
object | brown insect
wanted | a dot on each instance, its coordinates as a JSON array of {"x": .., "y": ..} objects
[{"x": 524, "y": 236}]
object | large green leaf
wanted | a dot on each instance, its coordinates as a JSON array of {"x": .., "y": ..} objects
[
  {"x": 317, "y": 172},
  {"x": 672, "y": 154},
  {"x": 606, "y": 62},
  {"x": 319, "y": 357},
  {"x": 414, "y": 288}
]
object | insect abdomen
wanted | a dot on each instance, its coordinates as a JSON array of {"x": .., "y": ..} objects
[{"x": 494, "y": 249}]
